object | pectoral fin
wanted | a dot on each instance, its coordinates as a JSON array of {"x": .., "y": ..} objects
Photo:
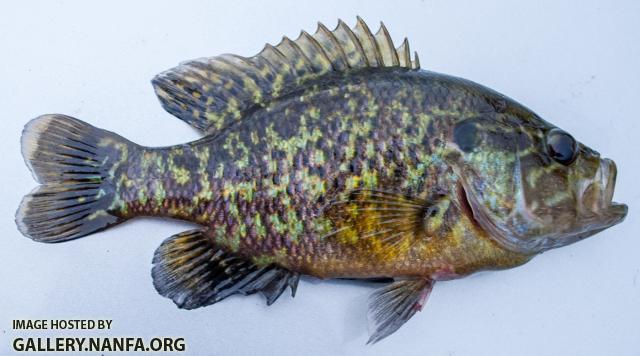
[
  {"x": 391, "y": 306},
  {"x": 385, "y": 223}
]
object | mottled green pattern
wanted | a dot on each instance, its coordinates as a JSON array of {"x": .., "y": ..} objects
[
  {"x": 332, "y": 155},
  {"x": 261, "y": 186}
]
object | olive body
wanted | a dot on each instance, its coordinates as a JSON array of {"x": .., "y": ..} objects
[{"x": 262, "y": 185}]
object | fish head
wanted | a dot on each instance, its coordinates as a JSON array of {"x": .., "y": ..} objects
[{"x": 530, "y": 185}]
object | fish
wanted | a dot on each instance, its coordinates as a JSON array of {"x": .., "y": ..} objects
[{"x": 333, "y": 155}]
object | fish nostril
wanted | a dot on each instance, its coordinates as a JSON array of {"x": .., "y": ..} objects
[{"x": 589, "y": 151}]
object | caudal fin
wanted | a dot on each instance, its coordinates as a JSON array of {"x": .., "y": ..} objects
[{"x": 75, "y": 163}]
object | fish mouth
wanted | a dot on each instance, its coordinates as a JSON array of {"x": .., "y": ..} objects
[
  {"x": 595, "y": 212},
  {"x": 596, "y": 208}
]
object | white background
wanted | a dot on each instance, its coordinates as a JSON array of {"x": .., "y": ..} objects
[{"x": 577, "y": 63}]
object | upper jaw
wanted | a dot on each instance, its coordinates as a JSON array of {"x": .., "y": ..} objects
[
  {"x": 609, "y": 175},
  {"x": 604, "y": 212}
]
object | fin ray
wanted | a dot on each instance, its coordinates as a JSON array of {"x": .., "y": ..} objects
[
  {"x": 387, "y": 223},
  {"x": 394, "y": 304},
  {"x": 69, "y": 158},
  {"x": 192, "y": 271},
  {"x": 212, "y": 93}
]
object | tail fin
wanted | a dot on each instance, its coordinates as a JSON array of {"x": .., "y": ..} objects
[{"x": 75, "y": 163}]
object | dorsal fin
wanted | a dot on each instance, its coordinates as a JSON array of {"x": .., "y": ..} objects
[{"x": 211, "y": 93}]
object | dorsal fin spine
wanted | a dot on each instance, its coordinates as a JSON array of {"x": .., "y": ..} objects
[
  {"x": 360, "y": 46},
  {"x": 280, "y": 70},
  {"x": 276, "y": 51},
  {"x": 302, "y": 58},
  {"x": 404, "y": 54},
  {"x": 342, "y": 57},
  {"x": 299, "y": 51},
  {"x": 317, "y": 46},
  {"x": 359, "y": 52},
  {"x": 362, "y": 27},
  {"x": 389, "y": 49}
]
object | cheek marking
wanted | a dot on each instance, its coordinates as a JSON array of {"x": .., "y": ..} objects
[
  {"x": 557, "y": 198},
  {"x": 534, "y": 175}
]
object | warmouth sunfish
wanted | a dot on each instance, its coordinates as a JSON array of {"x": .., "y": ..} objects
[{"x": 332, "y": 155}]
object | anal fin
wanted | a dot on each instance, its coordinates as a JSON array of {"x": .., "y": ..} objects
[
  {"x": 192, "y": 271},
  {"x": 394, "y": 304}
]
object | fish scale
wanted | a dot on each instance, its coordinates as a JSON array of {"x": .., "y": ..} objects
[
  {"x": 332, "y": 155},
  {"x": 294, "y": 197}
]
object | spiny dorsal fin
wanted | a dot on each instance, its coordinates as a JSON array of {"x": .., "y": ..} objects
[{"x": 211, "y": 93}]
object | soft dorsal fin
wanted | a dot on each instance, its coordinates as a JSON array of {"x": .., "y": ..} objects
[{"x": 211, "y": 93}]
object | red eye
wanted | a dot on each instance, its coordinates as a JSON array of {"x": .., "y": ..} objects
[{"x": 561, "y": 146}]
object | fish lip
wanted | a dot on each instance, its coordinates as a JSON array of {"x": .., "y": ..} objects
[
  {"x": 614, "y": 214},
  {"x": 610, "y": 179}
]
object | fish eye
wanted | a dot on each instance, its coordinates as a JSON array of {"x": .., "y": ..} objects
[{"x": 561, "y": 146}]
